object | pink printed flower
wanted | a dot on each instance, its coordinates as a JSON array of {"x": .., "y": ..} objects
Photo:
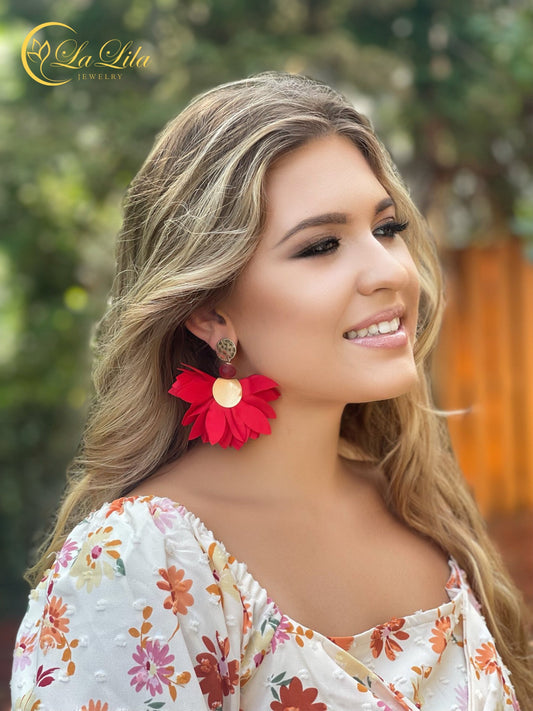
[
  {"x": 65, "y": 555},
  {"x": 22, "y": 653},
  {"x": 281, "y": 633},
  {"x": 461, "y": 697},
  {"x": 163, "y": 513},
  {"x": 153, "y": 667}
]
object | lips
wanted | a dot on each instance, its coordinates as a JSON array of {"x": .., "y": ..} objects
[{"x": 387, "y": 321}]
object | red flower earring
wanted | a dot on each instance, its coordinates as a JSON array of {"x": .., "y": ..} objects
[{"x": 224, "y": 410}]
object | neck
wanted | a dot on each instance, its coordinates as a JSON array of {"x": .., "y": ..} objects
[{"x": 299, "y": 458}]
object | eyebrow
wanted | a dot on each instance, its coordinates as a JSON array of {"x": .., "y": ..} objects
[{"x": 332, "y": 218}]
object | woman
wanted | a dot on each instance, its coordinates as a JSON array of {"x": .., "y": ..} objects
[{"x": 272, "y": 265}]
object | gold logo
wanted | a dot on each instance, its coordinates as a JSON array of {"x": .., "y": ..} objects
[{"x": 54, "y": 63}]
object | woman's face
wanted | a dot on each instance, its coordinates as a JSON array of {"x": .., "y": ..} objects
[{"x": 307, "y": 305}]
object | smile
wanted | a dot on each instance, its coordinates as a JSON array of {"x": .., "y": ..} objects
[{"x": 374, "y": 329}]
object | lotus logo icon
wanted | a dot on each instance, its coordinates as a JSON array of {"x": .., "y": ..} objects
[{"x": 63, "y": 57}]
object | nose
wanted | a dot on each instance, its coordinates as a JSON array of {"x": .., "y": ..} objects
[{"x": 382, "y": 264}]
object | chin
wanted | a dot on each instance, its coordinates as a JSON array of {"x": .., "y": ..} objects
[{"x": 391, "y": 389}]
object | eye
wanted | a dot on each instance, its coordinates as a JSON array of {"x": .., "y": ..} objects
[
  {"x": 323, "y": 246},
  {"x": 390, "y": 229}
]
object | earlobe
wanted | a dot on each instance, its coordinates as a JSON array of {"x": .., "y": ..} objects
[{"x": 210, "y": 325}]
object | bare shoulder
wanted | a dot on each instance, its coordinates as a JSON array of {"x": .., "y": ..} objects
[{"x": 349, "y": 540}]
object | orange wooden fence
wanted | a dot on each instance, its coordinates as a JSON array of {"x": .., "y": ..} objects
[{"x": 484, "y": 365}]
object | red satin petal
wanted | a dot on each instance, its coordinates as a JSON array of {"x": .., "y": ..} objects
[
  {"x": 193, "y": 386},
  {"x": 215, "y": 423},
  {"x": 253, "y": 417},
  {"x": 228, "y": 427},
  {"x": 268, "y": 394},
  {"x": 257, "y": 383},
  {"x": 199, "y": 426},
  {"x": 194, "y": 411},
  {"x": 229, "y": 441},
  {"x": 265, "y": 408},
  {"x": 238, "y": 428}
]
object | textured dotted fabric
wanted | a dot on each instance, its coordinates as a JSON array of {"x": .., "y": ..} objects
[{"x": 144, "y": 610}]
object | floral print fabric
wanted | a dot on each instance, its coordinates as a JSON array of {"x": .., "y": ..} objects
[{"x": 144, "y": 610}]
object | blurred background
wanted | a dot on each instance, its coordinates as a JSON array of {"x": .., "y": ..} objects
[{"x": 447, "y": 84}]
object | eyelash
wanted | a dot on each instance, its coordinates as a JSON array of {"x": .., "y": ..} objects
[{"x": 331, "y": 244}]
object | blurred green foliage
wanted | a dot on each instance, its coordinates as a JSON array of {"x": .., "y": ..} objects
[{"x": 447, "y": 83}]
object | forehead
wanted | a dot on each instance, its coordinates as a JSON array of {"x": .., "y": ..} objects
[{"x": 329, "y": 171}]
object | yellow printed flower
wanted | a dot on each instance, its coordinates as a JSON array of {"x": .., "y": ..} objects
[
  {"x": 222, "y": 572},
  {"x": 28, "y": 702},
  {"x": 95, "y": 559}
]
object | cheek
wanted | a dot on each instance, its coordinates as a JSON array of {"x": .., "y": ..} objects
[
  {"x": 412, "y": 296},
  {"x": 403, "y": 255},
  {"x": 280, "y": 319}
]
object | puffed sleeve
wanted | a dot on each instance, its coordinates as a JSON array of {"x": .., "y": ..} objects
[{"x": 132, "y": 616}]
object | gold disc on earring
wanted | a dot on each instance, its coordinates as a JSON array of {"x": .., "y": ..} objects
[
  {"x": 227, "y": 392},
  {"x": 226, "y": 349}
]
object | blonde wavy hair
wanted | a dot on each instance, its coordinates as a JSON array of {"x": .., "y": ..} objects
[{"x": 192, "y": 219}]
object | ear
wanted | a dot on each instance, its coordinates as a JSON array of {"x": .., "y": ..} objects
[{"x": 211, "y": 325}]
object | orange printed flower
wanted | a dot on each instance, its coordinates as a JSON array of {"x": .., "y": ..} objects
[
  {"x": 246, "y": 616},
  {"x": 487, "y": 659},
  {"x": 95, "y": 706},
  {"x": 54, "y": 624},
  {"x": 454, "y": 581},
  {"x": 118, "y": 505},
  {"x": 300, "y": 633},
  {"x": 343, "y": 642},
  {"x": 180, "y": 598},
  {"x": 442, "y": 631},
  {"x": 400, "y": 698},
  {"x": 295, "y": 698},
  {"x": 383, "y": 638}
]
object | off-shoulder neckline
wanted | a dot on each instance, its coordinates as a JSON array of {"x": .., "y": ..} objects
[{"x": 412, "y": 620}]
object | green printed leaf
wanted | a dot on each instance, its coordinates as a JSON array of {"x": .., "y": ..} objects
[{"x": 278, "y": 678}]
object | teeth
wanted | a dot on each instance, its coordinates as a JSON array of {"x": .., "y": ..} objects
[{"x": 375, "y": 329}]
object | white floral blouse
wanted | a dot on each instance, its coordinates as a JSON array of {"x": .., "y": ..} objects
[{"x": 144, "y": 610}]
